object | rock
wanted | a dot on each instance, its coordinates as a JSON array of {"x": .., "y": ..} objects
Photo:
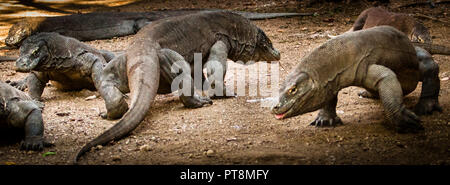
[
  {"x": 145, "y": 148},
  {"x": 116, "y": 158},
  {"x": 231, "y": 139},
  {"x": 90, "y": 97},
  {"x": 399, "y": 144},
  {"x": 210, "y": 153}
]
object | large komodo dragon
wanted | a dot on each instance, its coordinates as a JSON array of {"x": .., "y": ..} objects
[
  {"x": 173, "y": 41},
  {"x": 105, "y": 25},
  {"x": 68, "y": 63},
  {"x": 416, "y": 31},
  {"x": 380, "y": 59},
  {"x": 18, "y": 110}
]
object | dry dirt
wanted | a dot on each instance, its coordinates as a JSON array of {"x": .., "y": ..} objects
[{"x": 235, "y": 131}]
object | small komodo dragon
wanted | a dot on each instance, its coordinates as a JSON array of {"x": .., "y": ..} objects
[
  {"x": 145, "y": 68},
  {"x": 416, "y": 31},
  {"x": 68, "y": 63},
  {"x": 377, "y": 16},
  {"x": 105, "y": 25},
  {"x": 18, "y": 110},
  {"x": 381, "y": 59}
]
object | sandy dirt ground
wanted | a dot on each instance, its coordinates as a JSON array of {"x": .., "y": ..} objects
[{"x": 234, "y": 131}]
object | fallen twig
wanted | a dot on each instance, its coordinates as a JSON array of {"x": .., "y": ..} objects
[
  {"x": 431, "y": 3},
  {"x": 8, "y": 58}
]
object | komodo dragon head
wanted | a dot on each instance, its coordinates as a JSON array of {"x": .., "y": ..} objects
[
  {"x": 299, "y": 94},
  {"x": 31, "y": 55},
  {"x": 41, "y": 51},
  {"x": 420, "y": 34},
  {"x": 264, "y": 50},
  {"x": 21, "y": 30}
]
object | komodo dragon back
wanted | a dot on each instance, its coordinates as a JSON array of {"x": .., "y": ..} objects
[{"x": 105, "y": 25}]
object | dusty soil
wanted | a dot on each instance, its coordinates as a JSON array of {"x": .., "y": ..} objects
[{"x": 238, "y": 132}]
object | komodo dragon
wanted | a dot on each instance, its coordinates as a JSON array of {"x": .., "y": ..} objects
[
  {"x": 145, "y": 68},
  {"x": 377, "y": 16},
  {"x": 416, "y": 31},
  {"x": 18, "y": 110},
  {"x": 68, "y": 63},
  {"x": 380, "y": 59},
  {"x": 105, "y": 25}
]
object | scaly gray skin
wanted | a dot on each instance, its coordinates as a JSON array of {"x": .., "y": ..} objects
[
  {"x": 145, "y": 68},
  {"x": 105, "y": 25},
  {"x": 18, "y": 110},
  {"x": 68, "y": 63},
  {"x": 380, "y": 59}
]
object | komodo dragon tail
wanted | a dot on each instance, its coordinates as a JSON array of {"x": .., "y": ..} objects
[
  {"x": 143, "y": 75},
  {"x": 433, "y": 48},
  {"x": 259, "y": 16}
]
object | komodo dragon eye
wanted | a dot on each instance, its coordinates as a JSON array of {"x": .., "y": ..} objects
[
  {"x": 35, "y": 51},
  {"x": 421, "y": 40},
  {"x": 292, "y": 90}
]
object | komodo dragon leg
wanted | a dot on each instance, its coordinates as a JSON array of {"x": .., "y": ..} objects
[
  {"x": 108, "y": 55},
  {"x": 384, "y": 81},
  {"x": 112, "y": 84},
  {"x": 429, "y": 75},
  {"x": 216, "y": 70},
  {"x": 327, "y": 115},
  {"x": 26, "y": 112},
  {"x": 167, "y": 59},
  {"x": 36, "y": 82}
]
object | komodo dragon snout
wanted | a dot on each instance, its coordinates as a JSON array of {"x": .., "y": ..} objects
[
  {"x": 297, "y": 96},
  {"x": 31, "y": 55},
  {"x": 264, "y": 50}
]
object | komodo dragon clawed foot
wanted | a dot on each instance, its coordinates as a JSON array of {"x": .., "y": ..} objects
[
  {"x": 21, "y": 84},
  {"x": 195, "y": 101},
  {"x": 427, "y": 106},
  {"x": 327, "y": 115},
  {"x": 405, "y": 121},
  {"x": 115, "y": 104},
  {"x": 34, "y": 143},
  {"x": 325, "y": 120}
]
